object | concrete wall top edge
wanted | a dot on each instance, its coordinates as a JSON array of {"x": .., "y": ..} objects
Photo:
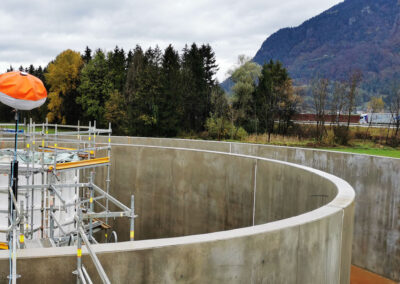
[
  {"x": 302, "y": 219},
  {"x": 344, "y": 198},
  {"x": 241, "y": 143}
]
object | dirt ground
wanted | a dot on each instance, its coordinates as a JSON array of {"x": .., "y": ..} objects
[{"x": 361, "y": 276}]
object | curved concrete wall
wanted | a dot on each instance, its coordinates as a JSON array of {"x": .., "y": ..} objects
[
  {"x": 376, "y": 245},
  {"x": 180, "y": 192},
  {"x": 186, "y": 192}
]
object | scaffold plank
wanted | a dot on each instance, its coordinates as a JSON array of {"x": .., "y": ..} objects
[{"x": 83, "y": 163}]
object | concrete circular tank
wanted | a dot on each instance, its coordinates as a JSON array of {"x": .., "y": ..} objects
[{"x": 214, "y": 217}]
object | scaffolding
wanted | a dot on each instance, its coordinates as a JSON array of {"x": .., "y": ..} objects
[{"x": 48, "y": 151}]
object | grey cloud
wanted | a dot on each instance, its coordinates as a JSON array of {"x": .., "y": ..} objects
[{"x": 36, "y": 31}]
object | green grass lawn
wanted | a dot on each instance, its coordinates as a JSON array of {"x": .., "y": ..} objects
[
  {"x": 386, "y": 152},
  {"x": 37, "y": 128}
]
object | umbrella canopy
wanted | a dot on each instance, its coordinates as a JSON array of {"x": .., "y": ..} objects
[{"x": 21, "y": 90}]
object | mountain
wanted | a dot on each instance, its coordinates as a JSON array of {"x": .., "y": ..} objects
[{"x": 353, "y": 35}]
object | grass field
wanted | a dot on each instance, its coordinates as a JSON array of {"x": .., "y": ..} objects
[
  {"x": 37, "y": 129},
  {"x": 386, "y": 152},
  {"x": 357, "y": 146}
]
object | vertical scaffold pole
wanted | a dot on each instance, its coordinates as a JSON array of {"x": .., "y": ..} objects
[
  {"x": 94, "y": 138},
  {"x": 108, "y": 169},
  {"x": 33, "y": 178},
  {"x": 132, "y": 231},
  {"x": 52, "y": 200},
  {"x": 14, "y": 275},
  {"x": 43, "y": 189},
  {"x": 91, "y": 204},
  {"x": 22, "y": 225},
  {"x": 79, "y": 136},
  {"x": 28, "y": 152},
  {"x": 90, "y": 139},
  {"x": 79, "y": 245}
]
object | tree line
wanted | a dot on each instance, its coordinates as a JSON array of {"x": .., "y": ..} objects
[
  {"x": 264, "y": 98},
  {"x": 338, "y": 100},
  {"x": 149, "y": 92},
  {"x": 163, "y": 93}
]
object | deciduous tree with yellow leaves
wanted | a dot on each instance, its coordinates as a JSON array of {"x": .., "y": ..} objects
[{"x": 63, "y": 78}]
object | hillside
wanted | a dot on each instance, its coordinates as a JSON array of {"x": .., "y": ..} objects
[{"x": 355, "y": 34}]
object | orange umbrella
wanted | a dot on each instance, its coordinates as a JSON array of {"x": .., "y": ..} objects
[{"x": 21, "y": 90}]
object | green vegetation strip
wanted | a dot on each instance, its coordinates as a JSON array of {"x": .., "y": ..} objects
[{"x": 385, "y": 152}]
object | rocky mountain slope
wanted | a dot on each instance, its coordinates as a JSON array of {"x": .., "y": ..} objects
[{"x": 353, "y": 35}]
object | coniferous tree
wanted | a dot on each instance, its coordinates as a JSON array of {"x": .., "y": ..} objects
[
  {"x": 117, "y": 68},
  {"x": 142, "y": 91},
  {"x": 149, "y": 93},
  {"x": 156, "y": 93},
  {"x": 87, "y": 55},
  {"x": 128, "y": 61},
  {"x": 198, "y": 70},
  {"x": 95, "y": 88},
  {"x": 268, "y": 95},
  {"x": 132, "y": 84},
  {"x": 31, "y": 69},
  {"x": 170, "y": 101}
]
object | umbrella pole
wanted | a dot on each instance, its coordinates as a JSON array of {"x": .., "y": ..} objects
[
  {"x": 14, "y": 165},
  {"x": 16, "y": 135},
  {"x": 15, "y": 162},
  {"x": 13, "y": 174},
  {"x": 12, "y": 212}
]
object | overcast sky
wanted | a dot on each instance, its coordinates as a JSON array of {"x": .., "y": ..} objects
[{"x": 35, "y": 31}]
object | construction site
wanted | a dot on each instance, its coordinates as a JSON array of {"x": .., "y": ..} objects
[
  {"x": 71, "y": 215},
  {"x": 89, "y": 207},
  {"x": 53, "y": 199}
]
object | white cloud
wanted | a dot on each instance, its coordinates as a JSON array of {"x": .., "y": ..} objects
[{"x": 36, "y": 31}]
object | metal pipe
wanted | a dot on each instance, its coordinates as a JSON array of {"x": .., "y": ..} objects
[
  {"x": 113, "y": 233},
  {"x": 86, "y": 275},
  {"x": 52, "y": 197},
  {"x": 79, "y": 245},
  {"x": 14, "y": 201},
  {"x": 132, "y": 231},
  {"x": 63, "y": 125},
  {"x": 81, "y": 277},
  {"x": 111, "y": 198},
  {"x": 59, "y": 226},
  {"x": 14, "y": 275},
  {"x": 95, "y": 260},
  {"x": 62, "y": 151},
  {"x": 22, "y": 227},
  {"x": 91, "y": 206},
  {"x": 108, "y": 167},
  {"x": 54, "y": 191},
  {"x": 42, "y": 191},
  {"x": 109, "y": 214},
  {"x": 32, "y": 183},
  {"x": 83, "y": 201}
]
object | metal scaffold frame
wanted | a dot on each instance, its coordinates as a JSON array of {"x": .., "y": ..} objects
[{"x": 91, "y": 205}]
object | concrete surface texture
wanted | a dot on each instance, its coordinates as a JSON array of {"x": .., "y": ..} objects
[
  {"x": 204, "y": 192},
  {"x": 376, "y": 180},
  {"x": 212, "y": 217}
]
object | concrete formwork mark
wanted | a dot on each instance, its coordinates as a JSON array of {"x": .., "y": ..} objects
[{"x": 255, "y": 190}]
